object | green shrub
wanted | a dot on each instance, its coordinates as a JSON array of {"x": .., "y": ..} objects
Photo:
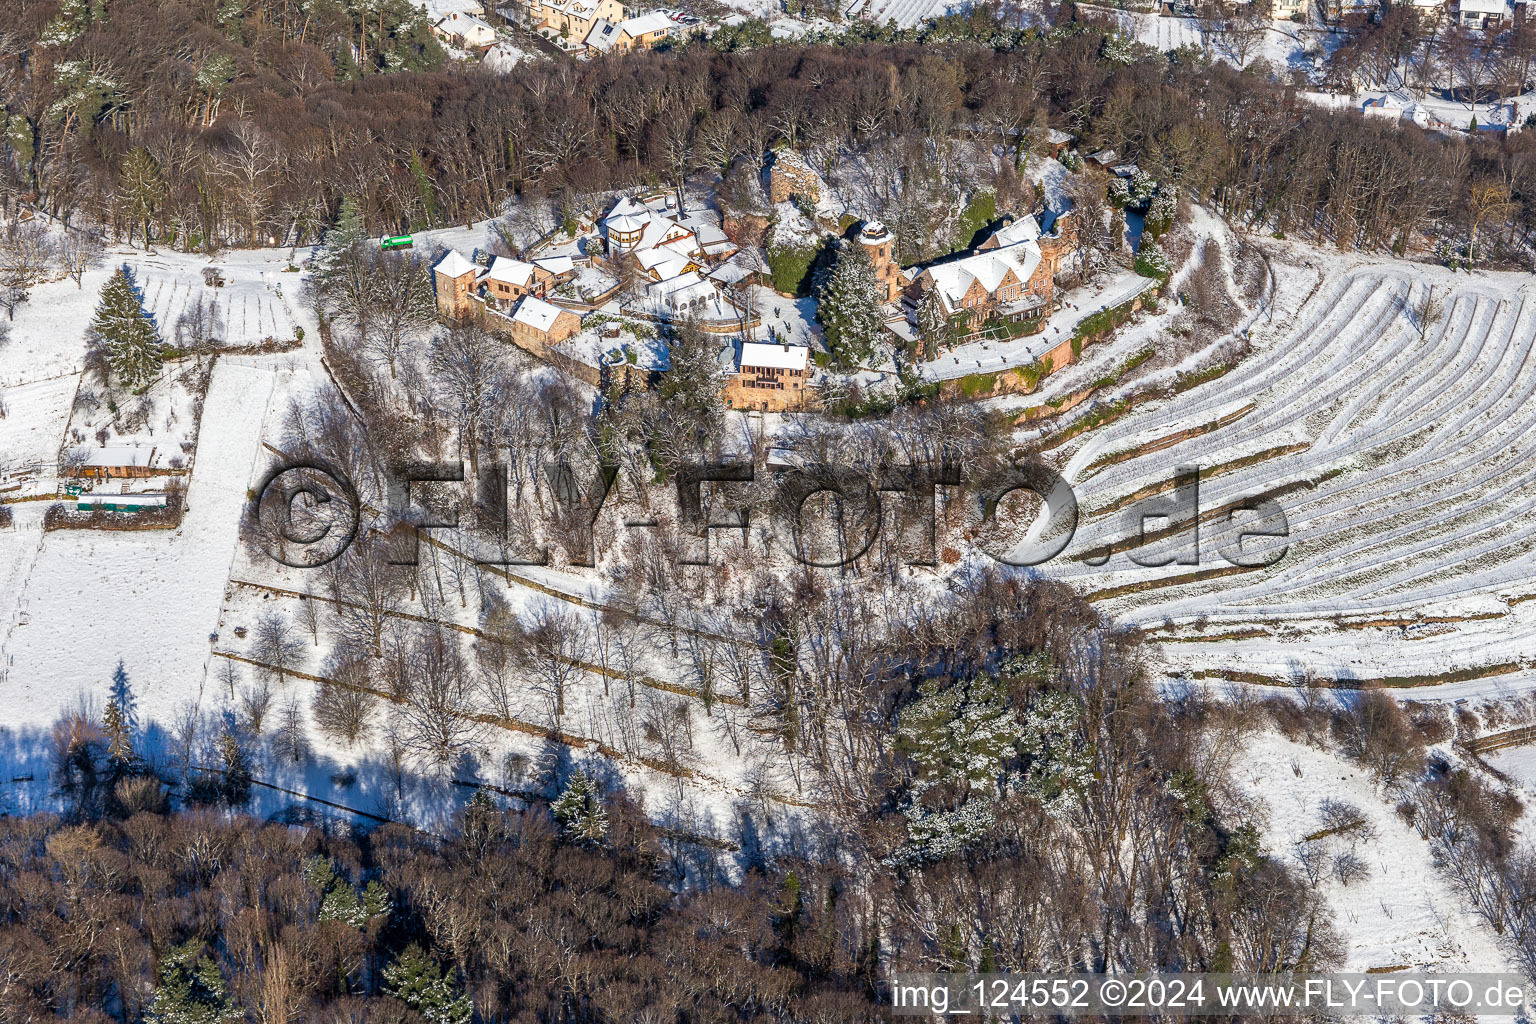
[
  {"x": 978, "y": 213},
  {"x": 790, "y": 267}
]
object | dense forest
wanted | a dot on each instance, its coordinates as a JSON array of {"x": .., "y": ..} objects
[
  {"x": 1038, "y": 809},
  {"x": 234, "y": 124},
  {"x": 1016, "y": 800}
]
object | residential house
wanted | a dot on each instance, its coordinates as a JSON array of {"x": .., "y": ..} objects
[
  {"x": 1010, "y": 276},
  {"x": 633, "y": 227},
  {"x": 639, "y": 33},
  {"x": 573, "y": 19},
  {"x": 465, "y": 31},
  {"x": 1334, "y": 11},
  {"x": 687, "y": 295},
  {"x": 538, "y": 325},
  {"x": 1484, "y": 14},
  {"x": 769, "y": 377},
  {"x": 508, "y": 280}
]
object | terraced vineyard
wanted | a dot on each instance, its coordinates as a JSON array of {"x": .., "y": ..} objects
[{"x": 1402, "y": 461}]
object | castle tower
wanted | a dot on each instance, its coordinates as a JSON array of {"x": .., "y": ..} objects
[{"x": 878, "y": 242}]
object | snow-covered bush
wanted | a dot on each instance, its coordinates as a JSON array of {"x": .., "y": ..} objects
[
  {"x": 1059, "y": 768},
  {"x": 1121, "y": 49},
  {"x": 1162, "y": 211},
  {"x": 1151, "y": 261}
]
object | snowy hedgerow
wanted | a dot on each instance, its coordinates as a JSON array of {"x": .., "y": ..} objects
[
  {"x": 579, "y": 809},
  {"x": 848, "y": 306},
  {"x": 791, "y": 246},
  {"x": 1143, "y": 185},
  {"x": 1151, "y": 261},
  {"x": 126, "y": 333}
]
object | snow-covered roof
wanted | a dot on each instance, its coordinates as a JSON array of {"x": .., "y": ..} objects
[
  {"x": 556, "y": 265},
  {"x": 1104, "y": 157},
  {"x": 1025, "y": 229},
  {"x": 454, "y": 265},
  {"x": 504, "y": 268},
  {"x": 439, "y": 9},
  {"x": 119, "y": 456},
  {"x": 1484, "y": 6},
  {"x": 988, "y": 268},
  {"x": 655, "y": 21},
  {"x": 628, "y": 214},
  {"x": 785, "y": 357},
  {"x": 664, "y": 261},
  {"x": 537, "y": 313},
  {"x": 656, "y": 224},
  {"x": 1056, "y": 137},
  {"x": 730, "y": 272},
  {"x": 673, "y": 286},
  {"x": 602, "y": 35},
  {"x": 467, "y": 26},
  {"x": 579, "y": 8}
]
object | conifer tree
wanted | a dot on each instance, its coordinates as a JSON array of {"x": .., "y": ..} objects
[
  {"x": 191, "y": 990},
  {"x": 121, "y": 693},
  {"x": 340, "y": 241},
  {"x": 236, "y": 787},
  {"x": 849, "y": 306},
  {"x": 343, "y": 269},
  {"x": 121, "y": 757},
  {"x": 416, "y": 979},
  {"x": 126, "y": 333},
  {"x": 579, "y": 809},
  {"x": 142, "y": 188},
  {"x": 932, "y": 324}
]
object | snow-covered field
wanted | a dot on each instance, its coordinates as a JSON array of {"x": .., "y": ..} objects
[
  {"x": 251, "y": 302},
  {"x": 1400, "y": 458},
  {"x": 1403, "y": 913},
  {"x": 150, "y": 598}
]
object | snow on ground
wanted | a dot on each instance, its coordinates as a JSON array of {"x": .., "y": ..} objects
[
  {"x": 1404, "y": 914},
  {"x": 31, "y": 431},
  {"x": 149, "y": 598},
  {"x": 1077, "y": 305},
  {"x": 901, "y": 13},
  {"x": 47, "y": 337},
  {"x": 251, "y": 302},
  {"x": 1400, "y": 460},
  {"x": 1519, "y": 763},
  {"x": 1284, "y": 44}
]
